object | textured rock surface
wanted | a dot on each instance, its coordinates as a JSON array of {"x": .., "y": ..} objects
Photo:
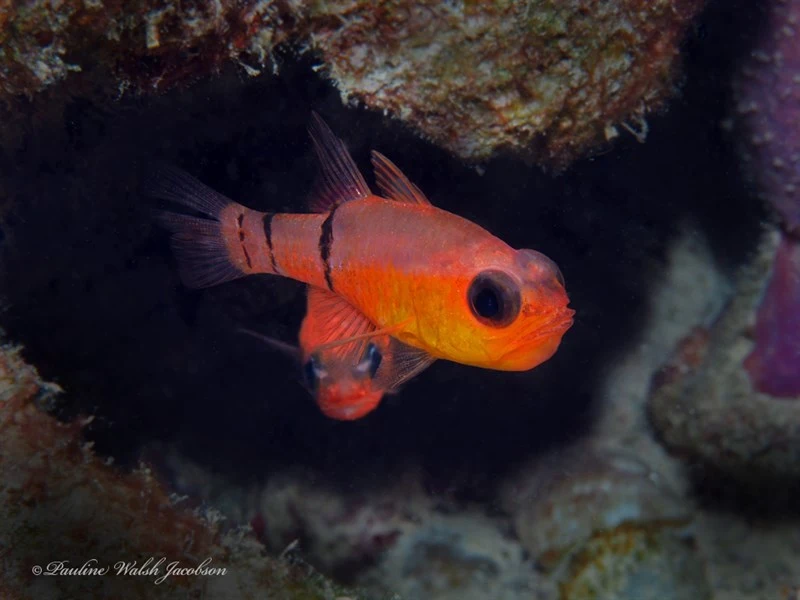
[
  {"x": 774, "y": 363},
  {"x": 767, "y": 91},
  {"x": 559, "y": 502},
  {"x": 646, "y": 563},
  {"x": 548, "y": 79},
  {"x": 768, "y": 106},
  {"x": 691, "y": 292},
  {"x": 745, "y": 556},
  {"x": 59, "y": 502},
  {"x": 147, "y": 45},
  {"x": 604, "y": 524},
  {"x": 704, "y": 403},
  {"x": 396, "y": 537}
]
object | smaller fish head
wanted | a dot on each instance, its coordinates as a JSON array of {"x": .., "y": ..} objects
[{"x": 343, "y": 390}]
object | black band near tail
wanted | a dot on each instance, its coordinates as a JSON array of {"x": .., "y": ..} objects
[
  {"x": 325, "y": 245},
  {"x": 268, "y": 236}
]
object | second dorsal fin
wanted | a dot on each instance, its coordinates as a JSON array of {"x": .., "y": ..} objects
[
  {"x": 339, "y": 178},
  {"x": 394, "y": 184}
]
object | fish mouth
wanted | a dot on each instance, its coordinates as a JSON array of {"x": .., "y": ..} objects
[
  {"x": 538, "y": 345},
  {"x": 351, "y": 411},
  {"x": 555, "y": 326}
]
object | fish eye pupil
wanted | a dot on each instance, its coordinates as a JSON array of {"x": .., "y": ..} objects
[
  {"x": 312, "y": 373},
  {"x": 375, "y": 358},
  {"x": 486, "y": 303},
  {"x": 309, "y": 373},
  {"x": 494, "y": 298}
]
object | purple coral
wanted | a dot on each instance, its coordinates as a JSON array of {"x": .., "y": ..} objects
[
  {"x": 768, "y": 101},
  {"x": 774, "y": 363},
  {"x": 768, "y": 93}
]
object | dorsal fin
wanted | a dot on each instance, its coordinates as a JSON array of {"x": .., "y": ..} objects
[
  {"x": 339, "y": 178},
  {"x": 393, "y": 184}
]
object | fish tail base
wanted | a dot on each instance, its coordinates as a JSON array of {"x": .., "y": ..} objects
[
  {"x": 199, "y": 242},
  {"x": 200, "y": 250}
]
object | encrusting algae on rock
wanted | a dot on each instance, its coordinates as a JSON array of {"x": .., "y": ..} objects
[
  {"x": 603, "y": 524},
  {"x": 548, "y": 80},
  {"x": 728, "y": 398},
  {"x": 60, "y": 502},
  {"x": 705, "y": 404}
]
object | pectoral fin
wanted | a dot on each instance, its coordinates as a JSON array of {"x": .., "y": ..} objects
[
  {"x": 401, "y": 363},
  {"x": 332, "y": 322}
]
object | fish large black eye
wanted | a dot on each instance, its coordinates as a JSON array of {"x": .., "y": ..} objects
[
  {"x": 494, "y": 298},
  {"x": 371, "y": 361}
]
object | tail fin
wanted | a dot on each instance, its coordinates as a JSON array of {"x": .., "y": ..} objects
[{"x": 197, "y": 241}]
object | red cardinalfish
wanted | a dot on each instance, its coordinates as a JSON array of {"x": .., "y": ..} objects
[
  {"x": 437, "y": 282},
  {"x": 348, "y": 378}
]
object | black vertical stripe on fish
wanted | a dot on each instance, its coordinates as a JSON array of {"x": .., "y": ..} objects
[
  {"x": 247, "y": 257},
  {"x": 240, "y": 222},
  {"x": 325, "y": 244},
  {"x": 268, "y": 236}
]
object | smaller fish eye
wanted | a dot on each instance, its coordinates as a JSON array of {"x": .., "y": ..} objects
[
  {"x": 494, "y": 298},
  {"x": 375, "y": 358},
  {"x": 371, "y": 361},
  {"x": 313, "y": 372}
]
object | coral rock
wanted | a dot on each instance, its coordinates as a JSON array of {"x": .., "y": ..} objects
[
  {"x": 546, "y": 79},
  {"x": 392, "y": 536},
  {"x": 774, "y": 364},
  {"x": 707, "y": 403},
  {"x": 59, "y": 502},
  {"x": 146, "y": 45},
  {"x": 768, "y": 104},
  {"x": 637, "y": 563},
  {"x": 560, "y": 501},
  {"x": 605, "y": 525},
  {"x": 549, "y": 78}
]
